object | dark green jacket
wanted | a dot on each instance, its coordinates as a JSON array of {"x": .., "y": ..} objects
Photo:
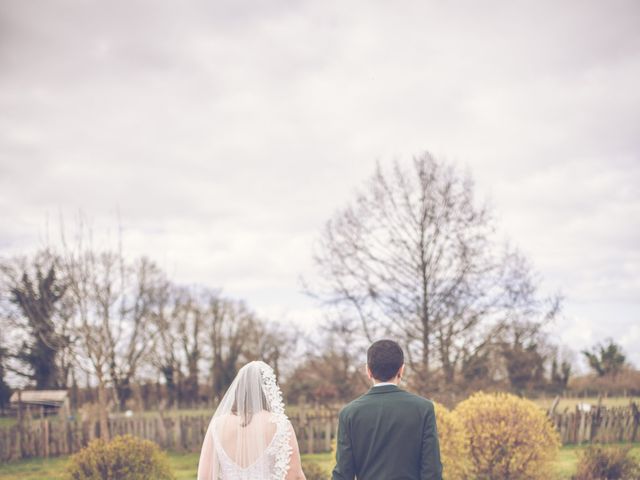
[{"x": 388, "y": 434}]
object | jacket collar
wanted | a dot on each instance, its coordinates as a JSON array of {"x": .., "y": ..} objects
[{"x": 383, "y": 389}]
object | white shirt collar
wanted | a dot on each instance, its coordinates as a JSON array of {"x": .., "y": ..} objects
[{"x": 381, "y": 384}]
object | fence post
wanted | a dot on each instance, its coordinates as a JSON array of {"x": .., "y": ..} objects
[
  {"x": 20, "y": 426},
  {"x": 636, "y": 420},
  {"x": 45, "y": 434},
  {"x": 310, "y": 448},
  {"x": 327, "y": 435}
]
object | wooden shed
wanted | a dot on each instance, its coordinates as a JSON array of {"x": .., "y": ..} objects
[{"x": 49, "y": 402}]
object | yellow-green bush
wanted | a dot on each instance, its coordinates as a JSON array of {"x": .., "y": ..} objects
[
  {"x": 454, "y": 444},
  {"x": 124, "y": 457},
  {"x": 597, "y": 462},
  {"x": 509, "y": 437}
]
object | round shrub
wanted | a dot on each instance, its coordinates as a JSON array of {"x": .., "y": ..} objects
[
  {"x": 509, "y": 437},
  {"x": 124, "y": 457},
  {"x": 454, "y": 445},
  {"x": 597, "y": 462}
]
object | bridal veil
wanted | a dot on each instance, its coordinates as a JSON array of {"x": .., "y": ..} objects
[{"x": 249, "y": 436}]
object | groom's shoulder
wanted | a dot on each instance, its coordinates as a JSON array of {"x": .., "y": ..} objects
[
  {"x": 418, "y": 400},
  {"x": 354, "y": 406}
]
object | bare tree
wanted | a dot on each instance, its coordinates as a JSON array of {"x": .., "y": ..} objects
[
  {"x": 231, "y": 326},
  {"x": 132, "y": 327},
  {"x": 415, "y": 257},
  {"x": 94, "y": 289},
  {"x": 191, "y": 326},
  {"x": 329, "y": 371},
  {"x": 196, "y": 324},
  {"x": 275, "y": 344},
  {"x": 163, "y": 353},
  {"x": 521, "y": 341},
  {"x": 114, "y": 301},
  {"x": 561, "y": 371}
]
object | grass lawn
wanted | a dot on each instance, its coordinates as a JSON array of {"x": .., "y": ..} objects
[
  {"x": 184, "y": 465},
  {"x": 565, "y": 465},
  {"x": 6, "y": 422}
]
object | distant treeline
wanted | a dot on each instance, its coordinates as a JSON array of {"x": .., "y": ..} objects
[{"x": 79, "y": 316}]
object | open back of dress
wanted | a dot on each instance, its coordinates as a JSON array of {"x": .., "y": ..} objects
[{"x": 247, "y": 452}]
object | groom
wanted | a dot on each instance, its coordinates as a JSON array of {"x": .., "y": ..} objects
[{"x": 387, "y": 434}]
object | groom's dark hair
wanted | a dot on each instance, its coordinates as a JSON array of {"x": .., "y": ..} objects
[{"x": 384, "y": 359}]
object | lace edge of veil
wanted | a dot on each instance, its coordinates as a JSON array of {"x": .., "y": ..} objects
[{"x": 282, "y": 443}]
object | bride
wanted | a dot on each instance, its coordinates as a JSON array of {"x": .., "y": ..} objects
[{"x": 249, "y": 436}]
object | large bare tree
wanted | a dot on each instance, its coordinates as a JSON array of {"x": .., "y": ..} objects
[
  {"x": 415, "y": 257},
  {"x": 94, "y": 290},
  {"x": 115, "y": 301}
]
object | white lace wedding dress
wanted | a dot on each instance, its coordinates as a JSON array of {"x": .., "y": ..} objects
[{"x": 249, "y": 436}]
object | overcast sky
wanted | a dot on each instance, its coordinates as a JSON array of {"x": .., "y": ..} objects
[{"x": 227, "y": 132}]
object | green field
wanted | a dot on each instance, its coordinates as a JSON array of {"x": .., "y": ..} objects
[{"x": 184, "y": 465}]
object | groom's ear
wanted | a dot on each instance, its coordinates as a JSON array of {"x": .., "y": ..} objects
[
  {"x": 368, "y": 371},
  {"x": 401, "y": 372}
]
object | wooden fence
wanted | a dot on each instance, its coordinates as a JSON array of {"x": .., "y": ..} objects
[
  {"x": 599, "y": 425},
  {"x": 315, "y": 429}
]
